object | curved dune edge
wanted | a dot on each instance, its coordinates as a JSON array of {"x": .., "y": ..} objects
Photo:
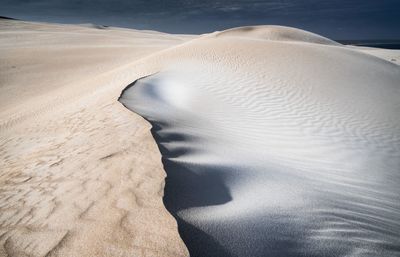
[
  {"x": 275, "y": 33},
  {"x": 80, "y": 174},
  {"x": 277, "y": 147}
]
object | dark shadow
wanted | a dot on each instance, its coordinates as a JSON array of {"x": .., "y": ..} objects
[
  {"x": 199, "y": 243},
  {"x": 189, "y": 186},
  {"x": 185, "y": 188}
]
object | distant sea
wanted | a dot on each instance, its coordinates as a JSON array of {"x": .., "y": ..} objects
[{"x": 387, "y": 44}]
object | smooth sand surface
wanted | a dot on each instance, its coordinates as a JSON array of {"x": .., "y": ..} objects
[
  {"x": 273, "y": 147},
  {"x": 80, "y": 174},
  {"x": 278, "y": 142}
]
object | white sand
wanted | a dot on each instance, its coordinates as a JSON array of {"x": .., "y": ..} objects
[
  {"x": 278, "y": 142},
  {"x": 271, "y": 144}
]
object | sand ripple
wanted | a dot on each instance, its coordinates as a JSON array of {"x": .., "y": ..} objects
[{"x": 278, "y": 148}]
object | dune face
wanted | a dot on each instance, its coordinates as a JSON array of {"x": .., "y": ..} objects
[{"x": 277, "y": 142}]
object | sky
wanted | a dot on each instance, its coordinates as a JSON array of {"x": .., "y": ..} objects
[{"x": 339, "y": 20}]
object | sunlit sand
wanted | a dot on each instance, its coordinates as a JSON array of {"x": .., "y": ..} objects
[{"x": 275, "y": 142}]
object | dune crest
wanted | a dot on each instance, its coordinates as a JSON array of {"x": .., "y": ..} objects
[
  {"x": 275, "y": 33},
  {"x": 277, "y": 149},
  {"x": 296, "y": 139}
]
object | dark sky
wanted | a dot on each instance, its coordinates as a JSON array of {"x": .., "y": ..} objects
[{"x": 357, "y": 19}]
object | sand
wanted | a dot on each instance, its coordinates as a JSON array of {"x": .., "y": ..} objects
[
  {"x": 278, "y": 142},
  {"x": 80, "y": 174},
  {"x": 274, "y": 141}
]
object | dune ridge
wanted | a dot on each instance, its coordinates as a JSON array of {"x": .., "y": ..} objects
[
  {"x": 282, "y": 147},
  {"x": 275, "y": 33},
  {"x": 81, "y": 175}
]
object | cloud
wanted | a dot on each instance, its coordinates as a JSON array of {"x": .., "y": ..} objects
[{"x": 334, "y": 18}]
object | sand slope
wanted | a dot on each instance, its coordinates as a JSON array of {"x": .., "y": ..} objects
[
  {"x": 277, "y": 142},
  {"x": 80, "y": 174}
]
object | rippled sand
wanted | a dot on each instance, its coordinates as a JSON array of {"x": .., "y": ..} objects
[
  {"x": 277, "y": 142},
  {"x": 80, "y": 175},
  {"x": 274, "y": 141}
]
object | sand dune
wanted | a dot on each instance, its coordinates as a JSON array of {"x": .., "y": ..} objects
[
  {"x": 80, "y": 174},
  {"x": 277, "y": 142},
  {"x": 275, "y": 33}
]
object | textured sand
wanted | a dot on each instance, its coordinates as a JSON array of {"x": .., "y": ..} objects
[
  {"x": 80, "y": 174},
  {"x": 278, "y": 142}
]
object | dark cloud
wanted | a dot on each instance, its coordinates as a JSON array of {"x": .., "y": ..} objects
[{"x": 357, "y": 19}]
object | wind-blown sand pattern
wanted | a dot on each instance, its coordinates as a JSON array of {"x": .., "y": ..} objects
[
  {"x": 277, "y": 142},
  {"x": 80, "y": 174},
  {"x": 271, "y": 144}
]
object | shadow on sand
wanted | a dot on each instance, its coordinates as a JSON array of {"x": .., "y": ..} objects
[{"x": 189, "y": 186}]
